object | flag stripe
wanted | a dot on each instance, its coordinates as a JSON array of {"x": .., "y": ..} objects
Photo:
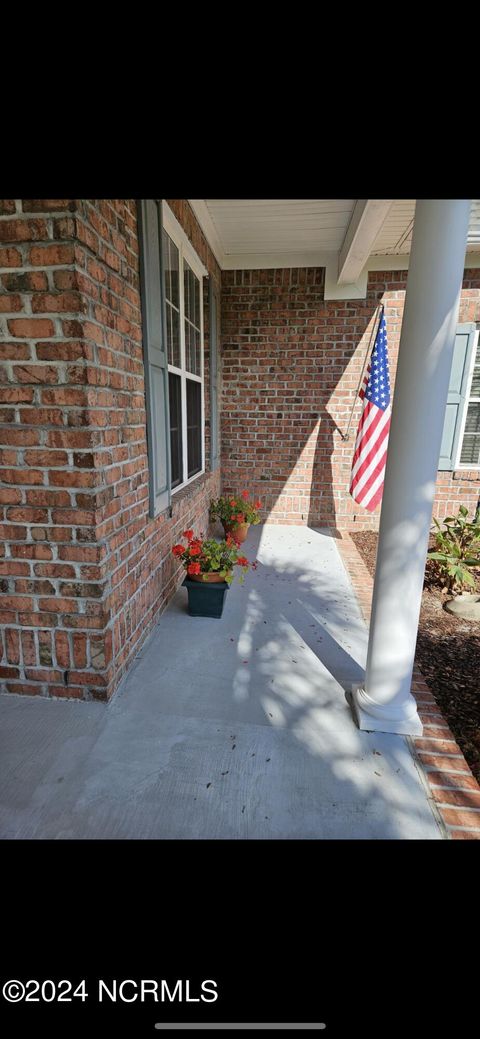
[
  {"x": 369, "y": 443},
  {"x": 370, "y": 451},
  {"x": 361, "y": 487}
]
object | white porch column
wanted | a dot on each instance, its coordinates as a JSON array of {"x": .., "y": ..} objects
[{"x": 437, "y": 259}]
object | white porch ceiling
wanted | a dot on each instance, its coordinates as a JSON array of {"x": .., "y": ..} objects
[{"x": 345, "y": 235}]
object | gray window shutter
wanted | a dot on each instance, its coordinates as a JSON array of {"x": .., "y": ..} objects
[
  {"x": 214, "y": 356},
  {"x": 457, "y": 395},
  {"x": 154, "y": 352}
]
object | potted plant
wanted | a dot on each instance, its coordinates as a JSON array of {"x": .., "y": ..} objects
[
  {"x": 209, "y": 571},
  {"x": 456, "y": 555},
  {"x": 236, "y": 513}
]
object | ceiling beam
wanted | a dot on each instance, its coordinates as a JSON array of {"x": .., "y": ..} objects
[
  {"x": 202, "y": 214},
  {"x": 366, "y": 221}
]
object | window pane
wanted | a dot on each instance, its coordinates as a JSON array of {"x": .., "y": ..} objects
[
  {"x": 472, "y": 424},
  {"x": 470, "y": 450},
  {"x": 186, "y": 283},
  {"x": 174, "y": 273},
  {"x": 166, "y": 264},
  {"x": 194, "y": 426},
  {"x": 197, "y": 368},
  {"x": 475, "y": 391},
  {"x": 175, "y": 398}
]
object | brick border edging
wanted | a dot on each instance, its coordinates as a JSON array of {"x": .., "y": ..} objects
[{"x": 452, "y": 785}]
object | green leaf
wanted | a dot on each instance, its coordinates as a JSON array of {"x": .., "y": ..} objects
[{"x": 463, "y": 510}]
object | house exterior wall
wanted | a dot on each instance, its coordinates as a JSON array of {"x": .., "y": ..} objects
[
  {"x": 84, "y": 571},
  {"x": 292, "y": 362}
]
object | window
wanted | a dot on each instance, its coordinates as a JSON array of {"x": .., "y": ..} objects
[
  {"x": 470, "y": 444},
  {"x": 460, "y": 447},
  {"x": 184, "y": 347}
]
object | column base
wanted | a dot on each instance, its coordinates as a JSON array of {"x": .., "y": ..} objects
[{"x": 374, "y": 717}]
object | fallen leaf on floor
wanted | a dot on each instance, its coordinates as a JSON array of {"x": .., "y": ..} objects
[
  {"x": 233, "y": 746},
  {"x": 225, "y": 773},
  {"x": 243, "y": 809},
  {"x": 208, "y": 784},
  {"x": 378, "y": 773},
  {"x": 376, "y": 752},
  {"x": 268, "y": 759}
]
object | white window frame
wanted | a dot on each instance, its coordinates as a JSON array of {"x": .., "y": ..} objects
[
  {"x": 186, "y": 252},
  {"x": 468, "y": 400}
]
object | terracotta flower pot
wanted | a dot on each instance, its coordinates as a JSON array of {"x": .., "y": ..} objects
[
  {"x": 238, "y": 531},
  {"x": 212, "y": 578}
]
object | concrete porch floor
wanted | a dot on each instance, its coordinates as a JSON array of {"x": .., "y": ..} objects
[{"x": 232, "y": 728}]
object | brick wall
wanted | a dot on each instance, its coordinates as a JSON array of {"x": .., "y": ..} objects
[
  {"x": 291, "y": 367},
  {"x": 84, "y": 571}
]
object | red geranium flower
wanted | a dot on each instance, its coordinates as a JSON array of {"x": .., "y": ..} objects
[
  {"x": 193, "y": 568},
  {"x": 245, "y": 495},
  {"x": 178, "y": 550},
  {"x": 188, "y": 534},
  {"x": 257, "y": 504},
  {"x": 233, "y": 503},
  {"x": 242, "y": 561},
  {"x": 195, "y": 550},
  {"x": 240, "y": 518}
]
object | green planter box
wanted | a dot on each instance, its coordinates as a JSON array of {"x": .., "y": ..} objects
[{"x": 205, "y": 600}]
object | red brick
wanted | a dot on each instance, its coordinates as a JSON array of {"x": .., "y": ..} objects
[
  {"x": 463, "y": 798},
  {"x": 38, "y": 620},
  {"x": 56, "y": 605},
  {"x": 439, "y": 761},
  {"x": 62, "y": 649},
  {"x": 22, "y": 230},
  {"x": 25, "y": 281},
  {"x": 25, "y": 514},
  {"x": 8, "y": 672},
  {"x": 46, "y": 458},
  {"x": 48, "y": 205},
  {"x": 59, "y": 351},
  {"x": 10, "y": 304},
  {"x": 453, "y": 780},
  {"x": 31, "y": 551},
  {"x": 26, "y": 688},
  {"x": 20, "y": 437},
  {"x": 35, "y": 373},
  {"x": 51, "y": 255},
  {"x": 22, "y": 476},
  {"x": 12, "y": 640},
  {"x": 16, "y": 395},
  {"x": 464, "y": 835},
  {"x": 79, "y": 650},
  {"x": 31, "y": 327},
  {"x": 29, "y": 650},
  {"x": 461, "y": 817},
  {"x": 10, "y": 257},
  {"x": 9, "y": 567},
  {"x": 43, "y": 675},
  {"x": 15, "y": 351},
  {"x": 61, "y": 302},
  {"x": 42, "y": 416},
  {"x": 48, "y": 498},
  {"x": 9, "y": 496}
]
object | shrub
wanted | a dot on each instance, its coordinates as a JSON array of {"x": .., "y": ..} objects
[{"x": 457, "y": 550}]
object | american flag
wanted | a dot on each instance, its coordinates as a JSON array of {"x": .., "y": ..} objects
[{"x": 370, "y": 455}]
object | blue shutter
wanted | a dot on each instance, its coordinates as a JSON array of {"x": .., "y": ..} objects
[
  {"x": 154, "y": 352},
  {"x": 214, "y": 354},
  {"x": 457, "y": 395}
]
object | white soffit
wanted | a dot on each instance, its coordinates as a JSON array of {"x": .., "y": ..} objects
[{"x": 339, "y": 234}]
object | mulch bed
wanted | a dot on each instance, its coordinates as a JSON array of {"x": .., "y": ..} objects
[{"x": 448, "y": 654}]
